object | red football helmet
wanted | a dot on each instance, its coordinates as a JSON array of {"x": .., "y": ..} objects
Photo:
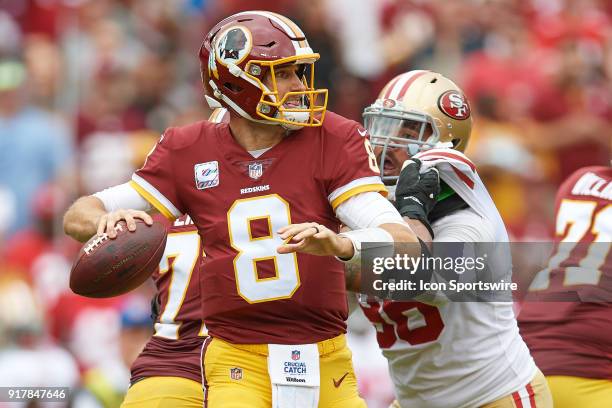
[{"x": 241, "y": 50}]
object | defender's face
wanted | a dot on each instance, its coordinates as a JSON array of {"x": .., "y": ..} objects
[
  {"x": 395, "y": 156},
  {"x": 393, "y": 160}
]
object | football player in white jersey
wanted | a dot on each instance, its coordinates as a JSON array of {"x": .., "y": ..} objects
[{"x": 451, "y": 353}]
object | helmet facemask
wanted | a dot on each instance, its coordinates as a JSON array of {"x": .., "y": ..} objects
[
  {"x": 392, "y": 128},
  {"x": 310, "y": 111}
]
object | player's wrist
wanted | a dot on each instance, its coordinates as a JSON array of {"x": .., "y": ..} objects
[
  {"x": 357, "y": 237},
  {"x": 346, "y": 250},
  {"x": 414, "y": 210}
]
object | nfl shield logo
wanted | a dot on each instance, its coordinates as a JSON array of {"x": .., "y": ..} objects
[
  {"x": 236, "y": 373},
  {"x": 255, "y": 170},
  {"x": 295, "y": 355},
  {"x": 206, "y": 174}
]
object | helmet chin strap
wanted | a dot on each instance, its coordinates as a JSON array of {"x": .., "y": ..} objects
[
  {"x": 298, "y": 117},
  {"x": 212, "y": 102}
]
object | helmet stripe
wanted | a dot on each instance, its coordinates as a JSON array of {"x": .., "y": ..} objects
[
  {"x": 297, "y": 31},
  {"x": 389, "y": 86},
  {"x": 400, "y": 87},
  {"x": 274, "y": 17},
  {"x": 288, "y": 30},
  {"x": 404, "y": 89}
]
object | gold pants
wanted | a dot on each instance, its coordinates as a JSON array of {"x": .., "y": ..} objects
[
  {"x": 237, "y": 375},
  {"x": 164, "y": 392}
]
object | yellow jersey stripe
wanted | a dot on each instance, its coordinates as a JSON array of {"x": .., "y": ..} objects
[
  {"x": 153, "y": 201},
  {"x": 357, "y": 190}
]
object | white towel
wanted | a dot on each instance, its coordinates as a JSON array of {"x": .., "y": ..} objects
[{"x": 460, "y": 174}]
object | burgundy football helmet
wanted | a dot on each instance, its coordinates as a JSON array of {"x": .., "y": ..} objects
[{"x": 241, "y": 50}]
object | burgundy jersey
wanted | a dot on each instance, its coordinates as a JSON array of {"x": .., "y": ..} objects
[
  {"x": 174, "y": 348},
  {"x": 249, "y": 292},
  {"x": 573, "y": 337}
]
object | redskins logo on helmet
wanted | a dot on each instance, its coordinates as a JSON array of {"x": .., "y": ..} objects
[
  {"x": 233, "y": 45},
  {"x": 415, "y": 111},
  {"x": 241, "y": 51}
]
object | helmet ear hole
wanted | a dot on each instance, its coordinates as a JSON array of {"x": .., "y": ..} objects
[{"x": 455, "y": 142}]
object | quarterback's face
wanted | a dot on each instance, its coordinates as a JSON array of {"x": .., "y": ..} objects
[{"x": 288, "y": 79}]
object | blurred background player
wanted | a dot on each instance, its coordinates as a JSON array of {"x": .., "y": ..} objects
[
  {"x": 453, "y": 352},
  {"x": 27, "y": 357},
  {"x": 35, "y": 145},
  {"x": 105, "y": 385},
  {"x": 567, "y": 316},
  {"x": 168, "y": 370}
]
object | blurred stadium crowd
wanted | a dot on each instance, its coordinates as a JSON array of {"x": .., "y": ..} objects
[{"x": 86, "y": 87}]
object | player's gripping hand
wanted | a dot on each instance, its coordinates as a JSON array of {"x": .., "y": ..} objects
[
  {"x": 107, "y": 222},
  {"x": 315, "y": 239},
  {"x": 415, "y": 193}
]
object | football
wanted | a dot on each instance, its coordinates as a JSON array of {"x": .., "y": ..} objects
[{"x": 110, "y": 267}]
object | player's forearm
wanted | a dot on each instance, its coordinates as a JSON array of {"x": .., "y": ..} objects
[
  {"x": 419, "y": 230},
  {"x": 352, "y": 277},
  {"x": 81, "y": 219},
  {"x": 401, "y": 233}
]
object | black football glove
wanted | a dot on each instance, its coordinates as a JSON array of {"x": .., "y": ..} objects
[{"x": 416, "y": 194}]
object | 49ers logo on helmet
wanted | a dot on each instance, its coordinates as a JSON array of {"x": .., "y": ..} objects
[
  {"x": 454, "y": 105},
  {"x": 233, "y": 45},
  {"x": 388, "y": 103}
]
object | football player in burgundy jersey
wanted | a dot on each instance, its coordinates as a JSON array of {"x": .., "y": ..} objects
[
  {"x": 448, "y": 353},
  {"x": 167, "y": 371},
  {"x": 567, "y": 317},
  {"x": 267, "y": 193}
]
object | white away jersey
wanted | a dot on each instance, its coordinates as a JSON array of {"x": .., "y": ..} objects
[{"x": 455, "y": 354}]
